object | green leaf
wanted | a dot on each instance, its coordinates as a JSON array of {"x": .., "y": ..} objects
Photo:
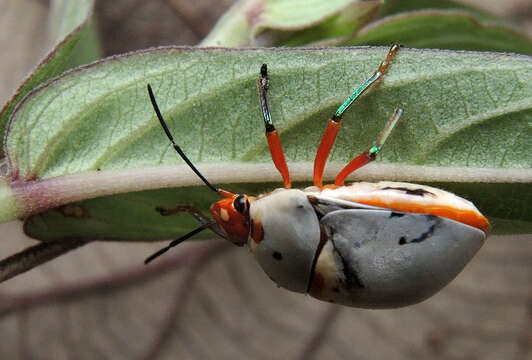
[
  {"x": 8, "y": 209},
  {"x": 93, "y": 133},
  {"x": 66, "y": 16},
  {"x": 296, "y": 14},
  {"x": 443, "y": 29},
  {"x": 345, "y": 22},
  {"x": 76, "y": 44},
  {"x": 394, "y": 7},
  {"x": 289, "y": 22}
]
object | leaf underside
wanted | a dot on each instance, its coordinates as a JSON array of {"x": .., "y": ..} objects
[
  {"x": 76, "y": 44},
  {"x": 462, "y": 109}
]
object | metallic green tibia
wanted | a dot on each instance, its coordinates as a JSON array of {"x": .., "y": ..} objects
[{"x": 359, "y": 91}]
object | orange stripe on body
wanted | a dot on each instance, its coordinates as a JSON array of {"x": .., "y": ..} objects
[{"x": 468, "y": 217}]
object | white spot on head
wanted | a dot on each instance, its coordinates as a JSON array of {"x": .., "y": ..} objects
[{"x": 224, "y": 215}]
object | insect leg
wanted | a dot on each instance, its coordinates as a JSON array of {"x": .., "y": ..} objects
[
  {"x": 370, "y": 154},
  {"x": 272, "y": 136},
  {"x": 192, "y": 210},
  {"x": 334, "y": 124}
]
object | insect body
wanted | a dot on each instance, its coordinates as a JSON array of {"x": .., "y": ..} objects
[{"x": 372, "y": 245}]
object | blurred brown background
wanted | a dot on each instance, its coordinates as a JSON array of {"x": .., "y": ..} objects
[{"x": 208, "y": 300}]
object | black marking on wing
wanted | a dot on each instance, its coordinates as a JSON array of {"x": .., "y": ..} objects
[
  {"x": 435, "y": 221},
  {"x": 323, "y": 240},
  {"x": 415, "y": 192},
  {"x": 396, "y": 214},
  {"x": 351, "y": 277},
  {"x": 277, "y": 255}
]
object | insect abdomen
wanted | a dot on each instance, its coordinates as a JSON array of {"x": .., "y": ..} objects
[{"x": 386, "y": 259}]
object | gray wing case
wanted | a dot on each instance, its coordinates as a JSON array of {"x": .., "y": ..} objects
[{"x": 387, "y": 259}]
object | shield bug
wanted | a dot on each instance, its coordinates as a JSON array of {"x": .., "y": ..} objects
[{"x": 370, "y": 245}]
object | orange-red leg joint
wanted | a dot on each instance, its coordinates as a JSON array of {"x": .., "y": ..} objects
[
  {"x": 383, "y": 67},
  {"x": 276, "y": 150},
  {"x": 324, "y": 149},
  {"x": 365, "y": 158}
]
